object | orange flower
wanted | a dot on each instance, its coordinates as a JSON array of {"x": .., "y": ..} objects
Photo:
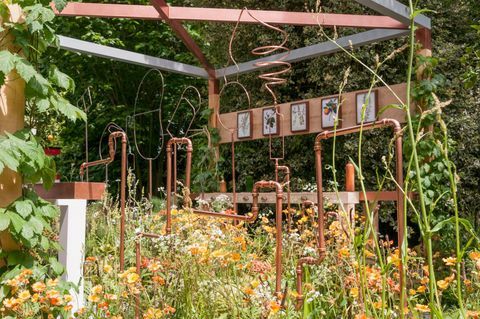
[
  {"x": 421, "y": 289},
  {"x": 474, "y": 255},
  {"x": 450, "y": 261},
  {"x": 422, "y": 308},
  {"x": 91, "y": 259},
  {"x": 169, "y": 310},
  {"x": 248, "y": 291},
  {"x": 158, "y": 280},
  {"x": 354, "y": 292},
  {"x": 442, "y": 284},
  {"x": 274, "y": 306},
  {"x": 94, "y": 298}
]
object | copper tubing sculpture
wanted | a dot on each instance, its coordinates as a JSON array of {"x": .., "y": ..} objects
[
  {"x": 321, "y": 214},
  {"x": 286, "y": 171},
  {"x": 123, "y": 179}
]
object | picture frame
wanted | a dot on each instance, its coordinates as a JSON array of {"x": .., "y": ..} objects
[
  {"x": 270, "y": 122},
  {"x": 371, "y": 110},
  {"x": 299, "y": 117},
  {"x": 244, "y": 124},
  {"x": 329, "y": 108}
]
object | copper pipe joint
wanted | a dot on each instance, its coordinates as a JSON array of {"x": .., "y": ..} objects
[
  {"x": 123, "y": 182},
  {"x": 321, "y": 214},
  {"x": 170, "y": 145}
]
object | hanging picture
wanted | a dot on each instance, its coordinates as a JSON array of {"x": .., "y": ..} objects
[
  {"x": 329, "y": 112},
  {"x": 270, "y": 121},
  {"x": 370, "y": 101},
  {"x": 244, "y": 124},
  {"x": 299, "y": 117}
]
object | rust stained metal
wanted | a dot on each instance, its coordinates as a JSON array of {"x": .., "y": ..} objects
[
  {"x": 321, "y": 214},
  {"x": 286, "y": 170}
]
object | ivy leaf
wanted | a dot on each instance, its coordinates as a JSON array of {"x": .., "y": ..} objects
[
  {"x": 4, "y": 221},
  {"x": 61, "y": 79},
  {"x": 23, "y": 208},
  {"x": 7, "y": 61}
]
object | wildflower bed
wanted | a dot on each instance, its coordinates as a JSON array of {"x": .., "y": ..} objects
[{"x": 209, "y": 268}]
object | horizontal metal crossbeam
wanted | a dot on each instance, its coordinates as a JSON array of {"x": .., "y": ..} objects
[
  {"x": 75, "y": 45},
  {"x": 396, "y": 10},
  {"x": 316, "y": 50},
  {"x": 107, "y": 10}
]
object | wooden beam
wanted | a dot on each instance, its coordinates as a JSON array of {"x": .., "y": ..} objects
[
  {"x": 348, "y": 114},
  {"x": 107, "y": 10},
  {"x": 163, "y": 9}
]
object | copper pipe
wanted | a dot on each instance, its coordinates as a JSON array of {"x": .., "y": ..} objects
[
  {"x": 172, "y": 143},
  {"x": 138, "y": 262},
  {"x": 247, "y": 218},
  {"x": 123, "y": 182},
  {"x": 286, "y": 171},
  {"x": 321, "y": 214}
]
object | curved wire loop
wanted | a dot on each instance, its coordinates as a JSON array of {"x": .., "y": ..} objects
[
  {"x": 183, "y": 98},
  {"x": 86, "y": 107},
  {"x": 159, "y": 110}
]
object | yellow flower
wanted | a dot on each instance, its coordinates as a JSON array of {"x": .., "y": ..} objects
[
  {"x": 132, "y": 278},
  {"x": 39, "y": 286},
  {"x": 421, "y": 289},
  {"x": 255, "y": 283},
  {"x": 153, "y": 313},
  {"x": 24, "y": 295},
  {"x": 344, "y": 252},
  {"x": 52, "y": 282},
  {"x": 422, "y": 308},
  {"x": 107, "y": 268},
  {"x": 68, "y": 298},
  {"x": 442, "y": 284},
  {"x": 94, "y": 298},
  {"x": 96, "y": 290},
  {"x": 354, "y": 292},
  {"x": 412, "y": 292},
  {"x": 450, "y": 261}
]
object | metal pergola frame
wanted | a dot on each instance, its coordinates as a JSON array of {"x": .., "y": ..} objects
[{"x": 392, "y": 23}]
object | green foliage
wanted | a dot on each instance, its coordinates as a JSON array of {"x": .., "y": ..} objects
[
  {"x": 471, "y": 60},
  {"x": 29, "y": 219},
  {"x": 21, "y": 152}
]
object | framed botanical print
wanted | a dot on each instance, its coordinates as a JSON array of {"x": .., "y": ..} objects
[
  {"x": 330, "y": 107},
  {"x": 299, "y": 117},
  {"x": 270, "y": 123},
  {"x": 370, "y": 102},
  {"x": 244, "y": 124}
]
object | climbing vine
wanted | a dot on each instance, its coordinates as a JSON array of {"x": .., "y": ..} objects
[{"x": 25, "y": 34}]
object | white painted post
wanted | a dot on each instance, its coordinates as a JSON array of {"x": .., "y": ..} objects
[{"x": 72, "y": 238}]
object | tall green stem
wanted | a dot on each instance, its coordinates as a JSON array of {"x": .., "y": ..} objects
[{"x": 426, "y": 220}]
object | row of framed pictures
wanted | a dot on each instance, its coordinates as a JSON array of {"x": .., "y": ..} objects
[{"x": 299, "y": 115}]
